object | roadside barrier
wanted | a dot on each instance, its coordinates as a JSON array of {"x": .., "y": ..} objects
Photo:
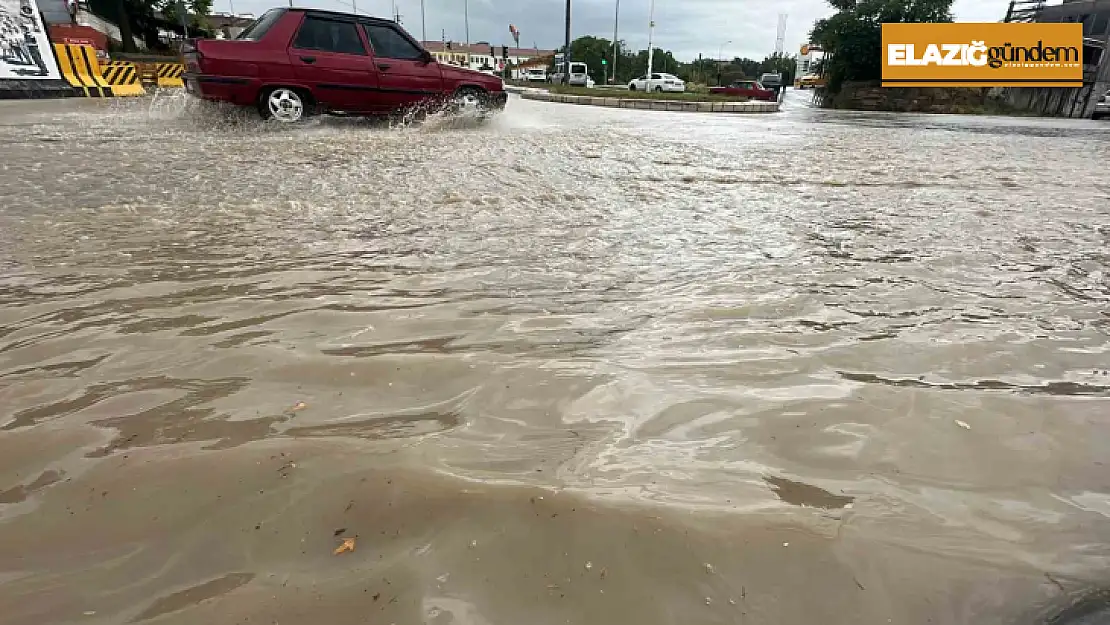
[
  {"x": 123, "y": 76},
  {"x": 170, "y": 74},
  {"x": 82, "y": 70},
  {"x": 76, "y": 63}
]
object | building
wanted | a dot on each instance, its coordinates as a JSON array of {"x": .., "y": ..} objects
[
  {"x": 482, "y": 55},
  {"x": 1095, "y": 17}
]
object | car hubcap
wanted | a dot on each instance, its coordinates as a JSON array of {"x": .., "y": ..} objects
[
  {"x": 469, "y": 100},
  {"x": 285, "y": 105}
]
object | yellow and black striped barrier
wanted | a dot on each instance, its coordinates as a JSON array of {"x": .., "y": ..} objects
[
  {"x": 80, "y": 68},
  {"x": 123, "y": 76},
  {"x": 170, "y": 74}
]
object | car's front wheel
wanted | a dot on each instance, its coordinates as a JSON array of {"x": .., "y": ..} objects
[
  {"x": 631, "y": 87},
  {"x": 659, "y": 90},
  {"x": 283, "y": 104},
  {"x": 469, "y": 99}
]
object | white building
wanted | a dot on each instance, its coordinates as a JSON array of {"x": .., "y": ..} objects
[{"x": 482, "y": 55}]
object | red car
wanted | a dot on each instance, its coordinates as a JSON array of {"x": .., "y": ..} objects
[
  {"x": 293, "y": 62},
  {"x": 747, "y": 88}
]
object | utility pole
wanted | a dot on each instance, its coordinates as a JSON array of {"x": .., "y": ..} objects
[
  {"x": 720, "y": 60},
  {"x": 651, "y": 31},
  {"x": 423, "y": 24},
  {"x": 616, "y": 25},
  {"x": 780, "y": 39},
  {"x": 466, "y": 24},
  {"x": 184, "y": 19},
  {"x": 566, "y": 50}
]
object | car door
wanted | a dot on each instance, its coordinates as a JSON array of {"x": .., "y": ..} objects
[
  {"x": 329, "y": 56},
  {"x": 407, "y": 75},
  {"x": 655, "y": 82}
]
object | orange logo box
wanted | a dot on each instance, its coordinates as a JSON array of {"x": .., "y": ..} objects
[{"x": 982, "y": 55}]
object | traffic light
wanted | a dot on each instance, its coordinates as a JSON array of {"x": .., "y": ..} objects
[
  {"x": 504, "y": 52},
  {"x": 604, "y": 62}
]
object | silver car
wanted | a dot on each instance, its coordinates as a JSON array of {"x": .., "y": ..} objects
[{"x": 1102, "y": 107}]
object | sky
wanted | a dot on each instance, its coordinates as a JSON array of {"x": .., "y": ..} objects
[{"x": 730, "y": 28}]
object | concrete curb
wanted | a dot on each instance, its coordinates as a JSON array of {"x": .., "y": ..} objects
[{"x": 654, "y": 105}]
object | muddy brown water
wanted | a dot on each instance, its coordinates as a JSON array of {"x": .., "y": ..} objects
[{"x": 570, "y": 365}]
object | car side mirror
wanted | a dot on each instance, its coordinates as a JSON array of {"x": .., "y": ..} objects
[{"x": 427, "y": 57}]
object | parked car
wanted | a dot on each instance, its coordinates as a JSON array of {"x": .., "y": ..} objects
[
  {"x": 1102, "y": 107},
  {"x": 536, "y": 74},
  {"x": 746, "y": 88},
  {"x": 292, "y": 62},
  {"x": 657, "y": 82}
]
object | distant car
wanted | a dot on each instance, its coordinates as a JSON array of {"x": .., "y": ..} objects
[
  {"x": 771, "y": 80},
  {"x": 1102, "y": 107},
  {"x": 658, "y": 82},
  {"x": 292, "y": 62},
  {"x": 536, "y": 74},
  {"x": 809, "y": 81},
  {"x": 746, "y": 88}
]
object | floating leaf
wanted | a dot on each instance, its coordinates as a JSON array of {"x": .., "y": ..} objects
[{"x": 348, "y": 545}]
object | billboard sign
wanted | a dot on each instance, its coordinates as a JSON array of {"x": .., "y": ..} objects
[
  {"x": 983, "y": 55},
  {"x": 25, "y": 50}
]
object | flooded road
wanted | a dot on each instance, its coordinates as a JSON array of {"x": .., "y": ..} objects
[{"x": 574, "y": 365}]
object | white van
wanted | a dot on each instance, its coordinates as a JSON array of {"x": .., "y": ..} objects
[
  {"x": 536, "y": 74},
  {"x": 579, "y": 75}
]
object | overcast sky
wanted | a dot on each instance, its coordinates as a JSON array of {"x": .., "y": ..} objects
[{"x": 687, "y": 27}]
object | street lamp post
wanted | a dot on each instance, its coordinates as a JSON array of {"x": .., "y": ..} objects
[
  {"x": 423, "y": 24},
  {"x": 651, "y": 31},
  {"x": 616, "y": 25},
  {"x": 566, "y": 50},
  {"x": 720, "y": 59}
]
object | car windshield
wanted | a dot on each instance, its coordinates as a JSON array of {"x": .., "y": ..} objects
[{"x": 258, "y": 28}]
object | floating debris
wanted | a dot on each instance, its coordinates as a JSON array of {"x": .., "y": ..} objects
[
  {"x": 348, "y": 545},
  {"x": 963, "y": 425},
  {"x": 786, "y": 544},
  {"x": 299, "y": 406},
  {"x": 473, "y": 544},
  {"x": 589, "y": 565},
  {"x": 709, "y": 568},
  {"x": 708, "y": 601}
]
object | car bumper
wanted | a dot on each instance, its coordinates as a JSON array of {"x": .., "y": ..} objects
[{"x": 221, "y": 88}]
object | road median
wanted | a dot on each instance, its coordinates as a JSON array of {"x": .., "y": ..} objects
[{"x": 653, "y": 105}]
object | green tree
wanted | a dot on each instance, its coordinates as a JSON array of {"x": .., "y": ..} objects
[
  {"x": 197, "y": 10},
  {"x": 852, "y": 37},
  {"x": 144, "y": 18}
]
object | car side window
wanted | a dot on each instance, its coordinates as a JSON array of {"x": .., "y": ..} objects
[
  {"x": 326, "y": 35},
  {"x": 656, "y": 77},
  {"x": 390, "y": 44}
]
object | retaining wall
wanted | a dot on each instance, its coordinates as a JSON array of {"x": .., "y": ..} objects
[{"x": 655, "y": 105}]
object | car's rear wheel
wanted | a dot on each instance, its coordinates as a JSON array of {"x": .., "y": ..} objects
[
  {"x": 659, "y": 90},
  {"x": 631, "y": 87},
  {"x": 284, "y": 104}
]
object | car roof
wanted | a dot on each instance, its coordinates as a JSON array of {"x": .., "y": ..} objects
[{"x": 328, "y": 13}]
